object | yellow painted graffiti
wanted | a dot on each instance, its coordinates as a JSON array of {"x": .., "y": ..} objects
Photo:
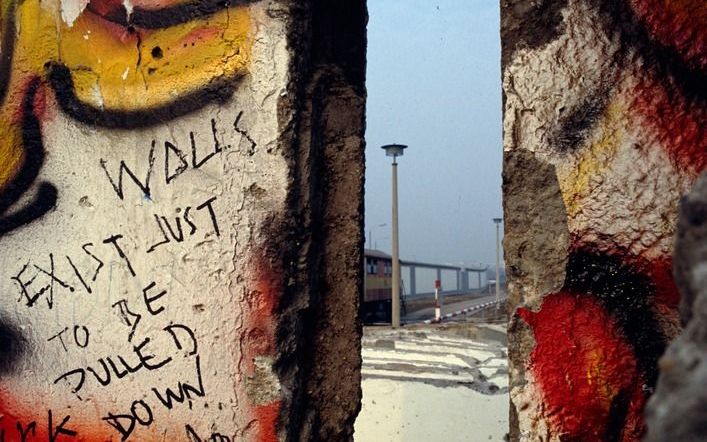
[
  {"x": 576, "y": 182},
  {"x": 106, "y": 69},
  {"x": 116, "y": 67}
]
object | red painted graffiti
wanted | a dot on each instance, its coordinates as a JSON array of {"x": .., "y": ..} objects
[
  {"x": 679, "y": 24},
  {"x": 586, "y": 370},
  {"x": 677, "y": 122}
]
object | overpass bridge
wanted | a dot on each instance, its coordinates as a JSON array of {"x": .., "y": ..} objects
[
  {"x": 418, "y": 282},
  {"x": 419, "y": 277}
]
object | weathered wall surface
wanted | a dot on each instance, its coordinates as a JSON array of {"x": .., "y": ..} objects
[
  {"x": 676, "y": 410},
  {"x": 604, "y": 131},
  {"x": 171, "y": 190}
]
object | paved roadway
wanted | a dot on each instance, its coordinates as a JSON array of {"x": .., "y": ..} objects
[
  {"x": 428, "y": 383},
  {"x": 429, "y": 313}
]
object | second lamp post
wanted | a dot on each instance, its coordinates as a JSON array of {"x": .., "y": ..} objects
[{"x": 395, "y": 150}]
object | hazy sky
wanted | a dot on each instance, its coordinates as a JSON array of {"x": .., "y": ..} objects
[{"x": 434, "y": 83}]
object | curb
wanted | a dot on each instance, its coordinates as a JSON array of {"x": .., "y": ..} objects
[{"x": 464, "y": 311}]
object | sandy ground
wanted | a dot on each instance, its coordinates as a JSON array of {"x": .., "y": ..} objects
[{"x": 434, "y": 383}]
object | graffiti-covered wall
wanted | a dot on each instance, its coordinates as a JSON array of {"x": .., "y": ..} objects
[
  {"x": 165, "y": 198},
  {"x": 604, "y": 131}
]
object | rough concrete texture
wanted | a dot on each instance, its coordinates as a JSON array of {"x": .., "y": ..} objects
[
  {"x": 542, "y": 215},
  {"x": 604, "y": 129},
  {"x": 445, "y": 382},
  {"x": 180, "y": 219},
  {"x": 329, "y": 135},
  {"x": 677, "y": 409}
]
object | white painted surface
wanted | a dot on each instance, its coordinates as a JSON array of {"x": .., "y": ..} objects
[
  {"x": 207, "y": 277},
  {"x": 71, "y": 9}
]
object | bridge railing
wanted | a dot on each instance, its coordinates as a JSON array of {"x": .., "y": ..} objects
[{"x": 419, "y": 278}]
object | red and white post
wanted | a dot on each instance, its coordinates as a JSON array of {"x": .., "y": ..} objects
[{"x": 438, "y": 306}]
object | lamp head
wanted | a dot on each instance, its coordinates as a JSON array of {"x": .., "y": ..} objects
[
  {"x": 394, "y": 150},
  {"x": 498, "y": 220}
]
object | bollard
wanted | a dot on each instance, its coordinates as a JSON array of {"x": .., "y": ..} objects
[{"x": 438, "y": 307}]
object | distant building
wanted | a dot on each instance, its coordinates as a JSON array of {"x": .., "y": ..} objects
[
  {"x": 417, "y": 280},
  {"x": 379, "y": 272}
]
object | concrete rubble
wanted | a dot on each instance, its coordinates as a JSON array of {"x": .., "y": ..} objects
[{"x": 434, "y": 383}]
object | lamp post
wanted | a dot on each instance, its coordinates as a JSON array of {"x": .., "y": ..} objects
[
  {"x": 370, "y": 235},
  {"x": 498, "y": 221},
  {"x": 395, "y": 151}
]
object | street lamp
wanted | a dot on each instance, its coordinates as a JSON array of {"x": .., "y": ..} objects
[
  {"x": 498, "y": 221},
  {"x": 395, "y": 151},
  {"x": 370, "y": 235}
]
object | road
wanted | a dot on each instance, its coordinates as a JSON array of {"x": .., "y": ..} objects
[
  {"x": 429, "y": 313},
  {"x": 428, "y": 383}
]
